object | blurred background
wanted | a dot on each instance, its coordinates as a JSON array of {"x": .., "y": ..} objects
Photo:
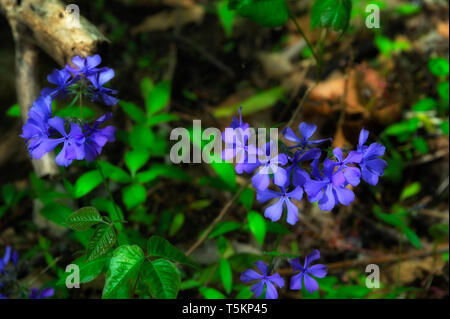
[{"x": 392, "y": 80}]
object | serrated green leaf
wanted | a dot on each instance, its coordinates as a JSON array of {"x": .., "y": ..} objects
[
  {"x": 267, "y": 13},
  {"x": 226, "y": 275},
  {"x": 257, "y": 225},
  {"x": 133, "y": 195},
  {"x": 162, "y": 278},
  {"x": 101, "y": 242},
  {"x": 84, "y": 218},
  {"x": 89, "y": 270},
  {"x": 160, "y": 247},
  {"x": 124, "y": 266},
  {"x": 331, "y": 13}
]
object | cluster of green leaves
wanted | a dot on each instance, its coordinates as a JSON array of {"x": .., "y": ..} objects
[
  {"x": 10, "y": 198},
  {"x": 428, "y": 116}
]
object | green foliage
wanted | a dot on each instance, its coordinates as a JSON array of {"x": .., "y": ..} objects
[
  {"x": 13, "y": 111},
  {"x": 160, "y": 247},
  {"x": 410, "y": 191},
  {"x": 162, "y": 278},
  {"x": 226, "y": 275},
  {"x": 56, "y": 213},
  {"x": 267, "y": 13},
  {"x": 226, "y": 16},
  {"x": 387, "y": 47},
  {"x": 89, "y": 270},
  {"x": 123, "y": 269},
  {"x": 86, "y": 183},
  {"x": 210, "y": 293},
  {"x": 222, "y": 228},
  {"x": 84, "y": 218},
  {"x": 257, "y": 225},
  {"x": 333, "y": 14},
  {"x": 133, "y": 195},
  {"x": 439, "y": 67},
  {"x": 101, "y": 242}
]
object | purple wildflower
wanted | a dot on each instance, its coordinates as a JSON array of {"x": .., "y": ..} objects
[
  {"x": 307, "y": 130},
  {"x": 36, "y": 129},
  {"x": 274, "y": 211},
  {"x": 97, "y": 137},
  {"x": 73, "y": 147},
  {"x": 264, "y": 280},
  {"x": 372, "y": 167},
  {"x": 85, "y": 66},
  {"x": 61, "y": 78},
  {"x": 41, "y": 294},
  {"x": 6, "y": 258},
  {"x": 235, "y": 123},
  {"x": 271, "y": 163},
  {"x": 351, "y": 174},
  {"x": 300, "y": 176},
  {"x": 101, "y": 93},
  {"x": 306, "y": 272},
  {"x": 328, "y": 189}
]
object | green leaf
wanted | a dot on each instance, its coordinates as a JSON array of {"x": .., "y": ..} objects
[
  {"x": 158, "y": 97},
  {"x": 135, "y": 159},
  {"x": 114, "y": 173},
  {"x": 388, "y": 218},
  {"x": 89, "y": 270},
  {"x": 331, "y": 13},
  {"x": 420, "y": 145},
  {"x": 247, "y": 197},
  {"x": 160, "y": 247},
  {"x": 141, "y": 137},
  {"x": 84, "y": 218},
  {"x": 124, "y": 267},
  {"x": 133, "y": 195},
  {"x": 161, "y": 118},
  {"x": 226, "y": 17},
  {"x": 426, "y": 104},
  {"x": 412, "y": 237},
  {"x": 226, "y": 275},
  {"x": 101, "y": 242},
  {"x": 405, "y": 127},
  {"x": 210, "y": 293},
  {"x": 257, "y": 225},
  {"x": 268, "y": 13},
  {"x": 8, "y": 193},
  {"x": 410, "y": 191},
  {"x": 86, "y": 183},
  {"x": 439, "y": 67},
  {"x": 223, "y": 228},
  {"x": 13, "y": 111},
  {"x": 56, "y": 213},
  {"x": 161, "y": 170},
  {"x": 443, "y": 91},
  {"x": 162, "y": 278},
  {"x": 258, "y": 102},
  {"x": 133, "y": 111},
  {"x": 445, "y": 127},
  {"x": 406, "y": 9},
  {"x": 177, "y": 223}
]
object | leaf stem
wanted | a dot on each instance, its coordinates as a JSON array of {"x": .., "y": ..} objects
[
  {"x": 299, "y": 29},
  {"x": 117, "y": 217}
]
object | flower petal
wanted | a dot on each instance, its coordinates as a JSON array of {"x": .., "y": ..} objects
[
  {"x": 307, "y": 130},
  {"x": 318, "y": 270},
  {"x": 250, "y": 275},
  {"x": 311, "y": 284},
  {"x": 274, "y": 211}
]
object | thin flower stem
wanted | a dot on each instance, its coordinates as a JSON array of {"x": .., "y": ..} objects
[
  {"x": 117, "y": 217},
  {"x": 277, "y": 243},
  {"x": 299, "y": 29}
]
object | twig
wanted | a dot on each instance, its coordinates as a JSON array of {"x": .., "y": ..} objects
[{"x": 217, "y": 219}]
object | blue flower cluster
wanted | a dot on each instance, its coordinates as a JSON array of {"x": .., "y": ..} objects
[
  {"x": 79, "y": 139},
  {"x": 8, "y": 269},
  {"x": 305, "y": 274},
  {"x": 323, "y": 182}
]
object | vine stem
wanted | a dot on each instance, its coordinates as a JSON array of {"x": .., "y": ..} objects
[
  {"x": 299, "y": 29},
  {"x": 117, "y": 217}
]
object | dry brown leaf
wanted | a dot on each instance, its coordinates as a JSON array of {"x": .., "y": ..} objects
[
  {"x": 411, "y": 270},
  {"x": 339, "y": 139},
  {"x": 443, "y": 29},
  {"x": 329, "y": 90},
  {"x": 168, "y": 19}
]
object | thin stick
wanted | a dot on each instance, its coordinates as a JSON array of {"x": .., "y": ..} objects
[{"x": 217, "y": 219}]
